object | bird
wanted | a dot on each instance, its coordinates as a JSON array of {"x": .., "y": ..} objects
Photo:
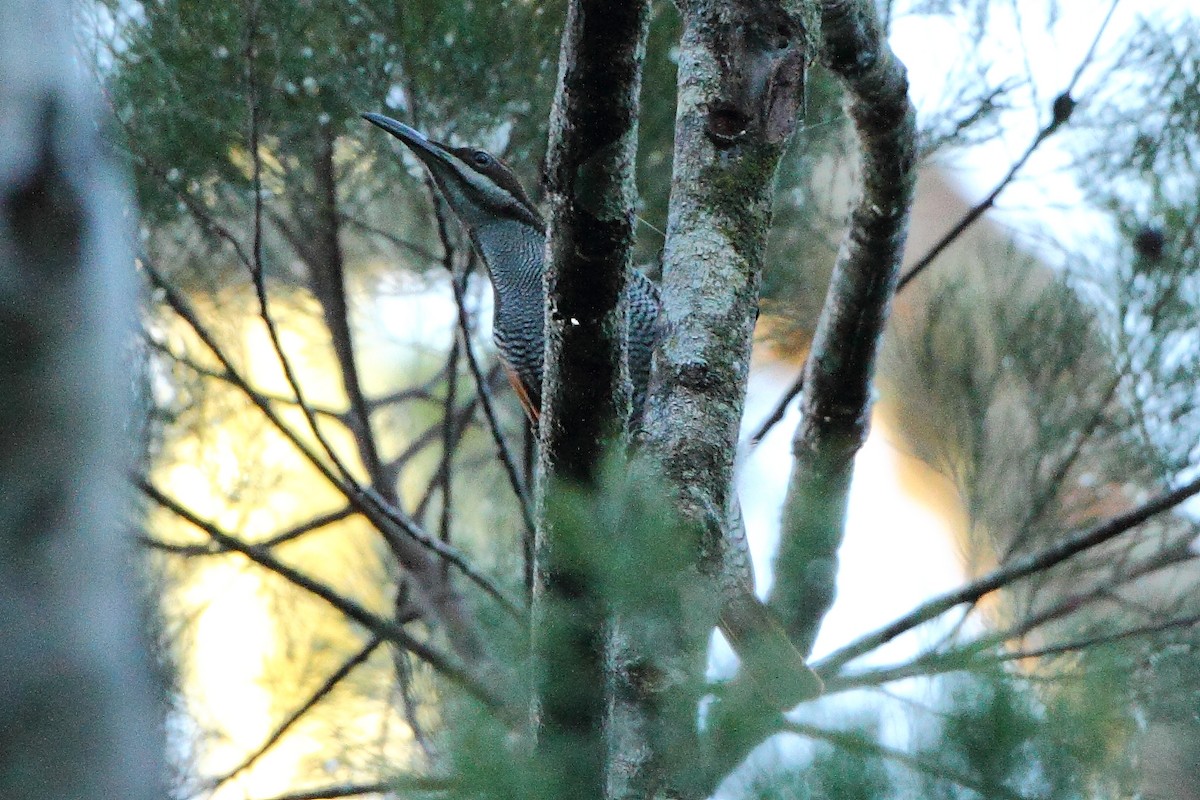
[{"x": 509, "y": 236}]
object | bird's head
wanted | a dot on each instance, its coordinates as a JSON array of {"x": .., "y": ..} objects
[{"x": 478, "y": 186}]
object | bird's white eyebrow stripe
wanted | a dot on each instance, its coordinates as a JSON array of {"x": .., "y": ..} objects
[{"x": 481, "y": 183}]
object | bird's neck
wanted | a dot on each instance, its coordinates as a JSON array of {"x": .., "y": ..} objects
[{"x": 513, "y": 253}]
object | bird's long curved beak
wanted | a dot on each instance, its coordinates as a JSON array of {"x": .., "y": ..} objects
[{"x": 425, "y": 148}]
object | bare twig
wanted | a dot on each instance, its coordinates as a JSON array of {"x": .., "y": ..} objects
[
  {"x": 1056, "y": 553},
  {"x": 330, "y": 683},
  {"x": 971, "y": 655},
  {"x": 406, "y": 782},
  {"x": 391, "y": 522},
  {"x": 419, "y": 251},
  {"x": 385, "y": 629},
  {"x": 404, "y": 675},
  {"x": 450, "y": 438},
  {"x": 1087, "y": 643},
  {"x": 428, "y": 437},
  {"x": 220, "y": 375},
  {"x": 294, "y": 532}
]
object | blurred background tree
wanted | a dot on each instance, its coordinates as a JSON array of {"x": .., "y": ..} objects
[{"x": 312, "y": 338}]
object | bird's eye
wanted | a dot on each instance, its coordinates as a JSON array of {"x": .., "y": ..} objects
[{"x": 481, "y": 158}]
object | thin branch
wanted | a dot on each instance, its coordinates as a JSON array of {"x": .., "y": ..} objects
[
  {"x": 403, "y": 244},
  {"x": 411, "y": 783},
  {"x": 404, "y": 675},
  {"x": 341, "y": 790},
  {"x": 220, "y": 375},
  {"x": 967, "y": 220},
  {"x": 427, "y": 438},
  {"x": 1052, "y": 486},
  {"x": 385, "y": 629},
  {"x": 382, "y": 515},
  {"x": 1108, "y": 638},
  {"x": 1000, "y": 577},
  {"x": 294, "y": 532},
  {"x": 772, "y": 419},
  {"x": 450, "y": 437},
  {"x": 1061, "y": 113},
  {"x": 323, "y": 691},
  {"x": 969, "y": 656}
]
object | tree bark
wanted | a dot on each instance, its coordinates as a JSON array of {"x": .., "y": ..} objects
[
  {"x": 741, "y": 67},
  {"x": 836, "y": 404},
  {"x": 591, "y": 191},
  {"x": 740, "y": 89},
  {"x": 77, "y": 713}
]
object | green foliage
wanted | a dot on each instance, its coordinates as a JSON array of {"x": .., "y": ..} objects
[
  {"x": 1003, "y": 736},
  {"x": 1138, "y": 157},
  {"x": 1005, "y": 379},
  {"x": 986, "y": 735},
  {"x": 184, "y": 76},
  {"x": 834, "y": 773}
]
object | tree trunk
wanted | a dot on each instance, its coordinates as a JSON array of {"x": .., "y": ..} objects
[
  {"x": 590, "y": 169},
  {"x": 77, "y": 715},
  {"x": 836, "y": 405},
  {"x": 740, "y": 89}
]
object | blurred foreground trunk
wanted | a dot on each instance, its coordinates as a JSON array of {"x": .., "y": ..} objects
[{"x": 77, "y": 717}]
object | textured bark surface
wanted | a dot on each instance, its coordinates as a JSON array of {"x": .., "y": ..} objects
[
  {"x": 77, "y": 716},
  {"x": 837, "y": 383},
  {"x": 741, "y": 70},
  {"x": 740, "y": 88},
  {"x": 591, "y": 191}
]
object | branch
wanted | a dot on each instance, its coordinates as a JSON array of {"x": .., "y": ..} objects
[
  {"x": 1060, "y": 551},
  {"x": 403, "y": 244},
  {"x": 836, "y": 404},
  {"x": 385, "y": 629},
  {"x": 1087, "y": 643},
  {"x": 1060, "y": 114},
  {"x": 294, "y": 532},
  {"x": 316, "y": 697},
  {"x": 970, "y": 656}
]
